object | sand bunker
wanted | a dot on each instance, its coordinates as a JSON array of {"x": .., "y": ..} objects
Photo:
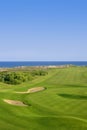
[
  {"x": 37, "y": 89},
  {"x": 12, "y": 102},
  {"x": 33, "y": 90}
]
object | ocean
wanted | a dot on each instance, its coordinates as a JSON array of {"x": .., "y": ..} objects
[{"x": 9, "y": 64}]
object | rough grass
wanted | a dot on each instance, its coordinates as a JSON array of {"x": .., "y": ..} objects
[{"x": 62, "y": 106}]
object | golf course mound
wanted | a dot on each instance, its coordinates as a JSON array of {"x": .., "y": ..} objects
[
  {"x": 33, "y": 90},
  {"x": 72, "y": 96},
  {"x": 12, "y": 102}
]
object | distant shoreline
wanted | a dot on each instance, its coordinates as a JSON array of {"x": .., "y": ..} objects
[
  {"x": 11, "y": 64},
  {"x": 25, "y": 68}
]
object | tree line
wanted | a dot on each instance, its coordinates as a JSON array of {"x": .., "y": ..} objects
[{"x": 17, "y": 77}]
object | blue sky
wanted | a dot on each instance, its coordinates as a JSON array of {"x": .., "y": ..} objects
[{"x": 43, "y": 30}]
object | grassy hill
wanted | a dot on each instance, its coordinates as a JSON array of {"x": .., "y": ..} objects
[{"x": 61, "y": 106}]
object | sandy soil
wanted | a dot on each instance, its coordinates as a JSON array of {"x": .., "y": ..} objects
[
  {"x": 13, "y": 102},
  {"x": 33, "y": 90}
]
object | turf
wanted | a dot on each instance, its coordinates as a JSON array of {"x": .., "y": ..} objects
[{"x": 61, "y": 106}]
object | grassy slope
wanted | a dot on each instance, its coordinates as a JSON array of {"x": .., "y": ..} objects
[{"x": 63, "y": 105}]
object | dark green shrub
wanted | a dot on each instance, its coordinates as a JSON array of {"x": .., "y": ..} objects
[{"x": 18, "y": 77}]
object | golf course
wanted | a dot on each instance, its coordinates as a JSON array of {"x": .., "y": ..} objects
[{"x": 55, "y": 101}]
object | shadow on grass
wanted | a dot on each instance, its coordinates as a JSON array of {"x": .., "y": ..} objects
[
  {"x": 72, "y": 96},
  {"x": 74, "y": 85}
]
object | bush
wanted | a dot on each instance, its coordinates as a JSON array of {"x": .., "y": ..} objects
[
  {"x": 39, "y": 72},
  {"x": 14, "y": 77},
  {"x": 20, "y": 76}
]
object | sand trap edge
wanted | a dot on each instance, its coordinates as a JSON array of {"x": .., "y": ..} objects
[
  {"x": 33, "y": 90},
  {"x": 14, "y": 102}
]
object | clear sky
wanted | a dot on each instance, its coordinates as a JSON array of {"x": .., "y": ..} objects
[{"x": 43, "y": 30}]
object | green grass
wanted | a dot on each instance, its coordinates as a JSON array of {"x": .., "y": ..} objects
[{"x": 62, "y": 106}]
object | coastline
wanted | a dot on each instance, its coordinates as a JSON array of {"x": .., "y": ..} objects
[
  {"x": 52, "y": 64},
  {"x": 36, "y": 67}
]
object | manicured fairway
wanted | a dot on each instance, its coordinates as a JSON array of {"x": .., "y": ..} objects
[{"x": 61, "y": 106}]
